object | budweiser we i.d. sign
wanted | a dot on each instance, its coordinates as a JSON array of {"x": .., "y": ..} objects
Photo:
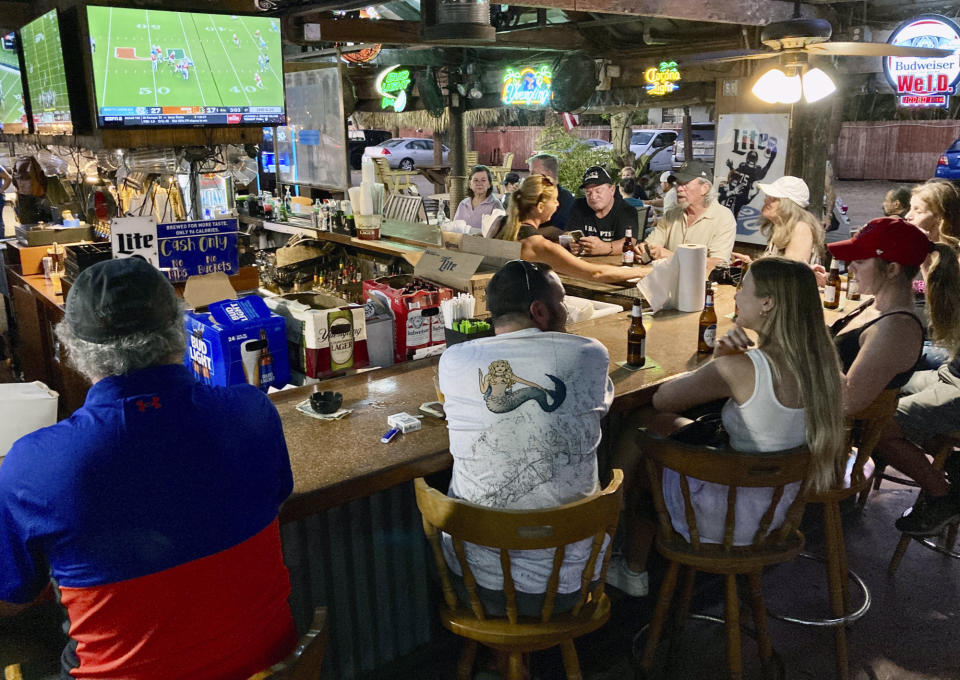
[{"x": 925, "y": 81}]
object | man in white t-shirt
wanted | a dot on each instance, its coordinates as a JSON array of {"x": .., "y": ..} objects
[{"x": 523, "y": 413}]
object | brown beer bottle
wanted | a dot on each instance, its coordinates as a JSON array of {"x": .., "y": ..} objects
[
  {"x": 831, "y": 291},
  {"x": 853, "y": 286},
  {"x": 708, "y": 324},
  {"x": 636, "y": 338},
  {"x": 627, "y": 256}
]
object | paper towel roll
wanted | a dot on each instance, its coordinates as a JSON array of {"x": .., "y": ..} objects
[{"x": 692, "y": 260}]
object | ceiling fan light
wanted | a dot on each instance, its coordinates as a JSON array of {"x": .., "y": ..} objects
[
  {"x": 769, "y": 86},
  {"x": 792, "y": 89},
  {"x": 817, "y": 85}
]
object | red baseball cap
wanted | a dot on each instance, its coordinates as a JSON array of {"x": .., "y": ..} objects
[{"x": 889, "y": 238}]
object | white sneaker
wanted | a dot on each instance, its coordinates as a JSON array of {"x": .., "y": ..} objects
[{"x": 621, "y": 577}]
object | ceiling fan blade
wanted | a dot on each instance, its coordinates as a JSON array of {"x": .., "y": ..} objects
[
  {"x": 873, "y": 49},
  {"x": 728, "y": 55}
]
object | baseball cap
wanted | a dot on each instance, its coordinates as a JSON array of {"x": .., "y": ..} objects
[
  {"x": 888, "y": 238},
  {"x": 691, "y": 170},
  {"x": 115, "y": 298},
  {"x": 790, "y": 187},
  {"x": 595, "y": 175},
  {"x": 665, "y": 177}
]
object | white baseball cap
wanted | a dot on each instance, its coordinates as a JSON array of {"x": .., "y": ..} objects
[
  {"x": 665, "y": 177},
  {"x": 790, "y": 187}
]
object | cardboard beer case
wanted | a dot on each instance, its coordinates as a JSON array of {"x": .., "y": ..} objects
[
  {"x": 323, "y": 337},
  {"x": 237, "y": 341}
]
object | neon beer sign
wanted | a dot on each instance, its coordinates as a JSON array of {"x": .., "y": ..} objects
[
  {"x": 393, "y": 84},
  {"x": 925, "y": 81},
  {"x": 662, "y": 79},
  {"x": 527, "y": 86}
]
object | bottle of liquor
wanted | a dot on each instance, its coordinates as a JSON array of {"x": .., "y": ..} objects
[
  {"x": 636, "y": 338},
  {"x": 265, "y": 362},
  {"x": 853, "y": 286},
  {"x": 627, "y": 256},
  {"x": 831, "y": 291},
  {"x": 288, "y": 201},
  {"x": 708, "y": 324},
  {"x": 340, "y": 336}
]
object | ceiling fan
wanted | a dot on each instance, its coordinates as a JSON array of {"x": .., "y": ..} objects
[{"x": 799, "y": 36}]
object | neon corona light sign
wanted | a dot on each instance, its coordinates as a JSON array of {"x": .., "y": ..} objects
[
  {"x": 393, "y": 84},
  {"x": 662, "y": 79},
  {"x": 527, "y": 86},
  {"x": 925, "y": 81}
]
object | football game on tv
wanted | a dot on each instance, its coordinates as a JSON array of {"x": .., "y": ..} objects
[
  {"x": 46, "y": 75},
  {"x": 13, "y": 115},
  {"x": 153, "y": 67}
]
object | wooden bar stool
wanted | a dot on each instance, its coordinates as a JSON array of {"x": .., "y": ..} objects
[
  {"x": 856, "y": 477},
  {"x": 739, "y": 472},
  {"x": 944, "y": 543}
]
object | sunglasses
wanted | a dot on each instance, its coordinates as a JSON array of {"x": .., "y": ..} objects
[{"x": 526, "y": 266}]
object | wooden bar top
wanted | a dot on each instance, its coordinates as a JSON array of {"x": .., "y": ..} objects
[{"x": 335, "y": 462}]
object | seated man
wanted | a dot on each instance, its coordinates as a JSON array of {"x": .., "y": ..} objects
[
  {"x": 523, "y": 412},
  {"x": 602, "y": 215},
  {"x": 697, "y": 218},
  {"x": 153, "y": 508},
  {"x": 548, "y": 165}
]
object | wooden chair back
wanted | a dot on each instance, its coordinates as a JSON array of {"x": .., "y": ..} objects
[
  {"x": 405, "y": 208},
  {"x": 471, "y": 157},
  {"x": 505, "y": 530},
  {"x": 870, "y": 424},
  {"x": 735, "y": 470},
  {"x": 393, "y": 180},
  {"x": 305, "y": 661}
]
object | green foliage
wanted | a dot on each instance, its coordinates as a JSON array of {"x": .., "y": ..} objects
[{"x": 575, "y": 156}]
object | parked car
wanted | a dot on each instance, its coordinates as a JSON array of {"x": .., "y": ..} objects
[
  {"x": 598, "y": 144},
  {"x": 360, "y": 140},
  {"x": 948, "y": 165},
  {"x": 406, "y": 153},
  {"x": 704, "y": 144},
  {"x": 644, "y": 142}
]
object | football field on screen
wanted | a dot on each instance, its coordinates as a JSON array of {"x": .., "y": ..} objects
[
  {"x": 226, "y": 52},
  {"x": 11, "y": 89}
]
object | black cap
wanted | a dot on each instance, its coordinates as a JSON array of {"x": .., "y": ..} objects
[
  {"x": 595, "y": 175},
  {"x": 691, "y": 170},
  {"x": 115, "y": 298}
]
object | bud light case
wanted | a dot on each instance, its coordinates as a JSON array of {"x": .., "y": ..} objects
[{"x": 238, "y": 341}]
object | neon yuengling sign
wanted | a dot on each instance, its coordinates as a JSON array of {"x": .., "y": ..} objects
[
  {"x": 925, "y": 81},
  {"x": 527, "y": 86},
  {"x": 662, "y": 79}
]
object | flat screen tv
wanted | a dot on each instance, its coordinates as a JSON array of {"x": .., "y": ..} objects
[
  {"x": 13, "y": 114},
  {"x": 46, "y": 75},
  {"x": 162, "y": 68}
]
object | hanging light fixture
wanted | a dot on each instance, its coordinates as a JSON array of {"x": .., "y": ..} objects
[{"x": 786, "y": 86}]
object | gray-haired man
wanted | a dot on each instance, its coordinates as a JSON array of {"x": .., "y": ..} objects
[{"x": 547, "y": 164}]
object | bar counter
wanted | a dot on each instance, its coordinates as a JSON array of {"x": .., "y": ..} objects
[{"x": 336, "y": 462}]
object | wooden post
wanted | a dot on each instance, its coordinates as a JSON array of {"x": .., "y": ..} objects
[
  {"x": 687, "y": 135},
  {"x": 807, "y": 156},
  {"x": 458, "y": 151}
]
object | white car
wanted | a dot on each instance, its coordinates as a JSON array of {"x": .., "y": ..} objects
[
  {"x": 704, "y": 144},
  {"x": 406, "y": 153},
  {"x": 644, "y": 142}
]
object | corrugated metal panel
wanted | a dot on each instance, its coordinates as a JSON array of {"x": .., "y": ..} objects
[
  {"x": 893, "y": 150},
  {"x": 367, "y": 563}
]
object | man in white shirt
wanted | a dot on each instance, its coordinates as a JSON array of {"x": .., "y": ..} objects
[
  {"x": 697, "y": 218},
  {"x": 523, "y": 413}
]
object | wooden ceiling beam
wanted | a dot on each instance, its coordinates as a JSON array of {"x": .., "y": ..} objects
[
  {"x": 13, "y": 15},
  {"x": 746, "y": 12}
]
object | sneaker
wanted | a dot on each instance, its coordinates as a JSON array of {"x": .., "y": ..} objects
[
  {"x": 621, "y": 577},
  {"x": 929, "y": 516}
]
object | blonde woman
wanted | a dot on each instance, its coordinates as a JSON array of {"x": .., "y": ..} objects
[
  {"x": 785, "y": 392},
  {"x": 791, "y": 230},
  {"x": 935, "y": 209},
  {"x": 532, "y": 205}
]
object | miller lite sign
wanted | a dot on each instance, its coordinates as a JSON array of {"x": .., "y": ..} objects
[
  {"x": 925, "y": 81},
  {"x": 131, "y": 236}
]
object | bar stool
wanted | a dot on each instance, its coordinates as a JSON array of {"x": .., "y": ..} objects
[
  {"x": 944, "y": 543},
  {"x": 856, "y": 478}
]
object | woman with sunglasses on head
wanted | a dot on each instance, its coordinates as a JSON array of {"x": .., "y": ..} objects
[
  {"x": 783, "y": 393},
  {"x": 532, "y": 205}
]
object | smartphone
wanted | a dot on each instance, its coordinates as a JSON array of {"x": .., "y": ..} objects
[
  {"x": 646, "y": 257},
  {"x": 576, "y": 234}
]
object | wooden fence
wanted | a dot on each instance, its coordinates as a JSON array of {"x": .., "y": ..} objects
[{"x": 893, "y": 150}]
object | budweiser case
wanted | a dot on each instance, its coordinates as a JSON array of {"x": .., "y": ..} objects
[
  {"x": 238, "y": 341},
  {"x": 417, "y": 319},
  {"x": 322, "y": 342}
]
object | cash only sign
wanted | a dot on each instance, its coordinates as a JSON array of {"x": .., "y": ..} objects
[{"x": 178, "y": 249}]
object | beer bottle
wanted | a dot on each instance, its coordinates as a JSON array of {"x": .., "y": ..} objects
[
  {"x": 853, "y": 286},
  {"x": 831, "y": 291},
  {"x": 627, "y": 256},
  {"x": 265, "y": 362},
  {"x": 708, "y": 324},
  {"x": 636, "y": 339}
]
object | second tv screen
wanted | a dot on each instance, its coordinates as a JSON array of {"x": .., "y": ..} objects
[{"x": 154, "y": 67}]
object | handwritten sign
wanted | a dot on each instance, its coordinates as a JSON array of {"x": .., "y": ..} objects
[
  {"x": 527, "y": 86},
  {"x": 662, "y": 79},
  {"x": 201, "y": 247}
]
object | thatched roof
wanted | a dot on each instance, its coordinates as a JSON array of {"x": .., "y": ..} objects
[{"x": 422, "y": 119}]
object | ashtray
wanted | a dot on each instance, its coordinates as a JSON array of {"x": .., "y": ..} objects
[{"x": 326, "y": 402}]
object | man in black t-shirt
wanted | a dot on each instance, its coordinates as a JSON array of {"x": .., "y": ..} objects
[{"x": 601, "y": 215}]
